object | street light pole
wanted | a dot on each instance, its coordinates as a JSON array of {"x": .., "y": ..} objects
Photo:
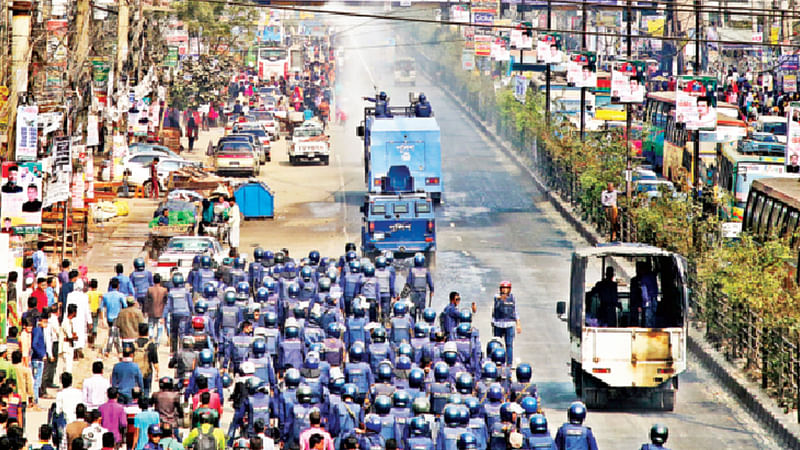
[
  {"x": 547, "y": 72},
  {"x": 583, "y": 89},
  {"x": 697, "y": 66},
  {"x": 628, "y": 118}
]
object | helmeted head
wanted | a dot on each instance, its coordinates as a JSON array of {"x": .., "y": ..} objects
[
  {"x": 333, "y": 330},
  {"x": 206, "y": 357},
  {"x": 379, "y": 335},
  {"x": 355, "y": 266},
  {"x": 358, "y": 310},
  {"x": 455, "y": 399},
  {"x": 382, "y": 95},
  {"x": 336, "y": 385},
  {"x": 473, "y": 405},
  {"x": 333, "y": 274},
  {"x": 464, "y": 383},
  {"x": 420, "y": 330},
  {"x": 441, "y": 372},
  {"x": 422, "y": 97},
  {"x": 416, "y": 378},
  {"x": 293, "y": 290},
  {"x": 138, "y": 264},
  {"x": 350, "y": 391},
  {"x": 279, "y": 258},
  {"x": 389, "y": 255},
  {"x": 508, "y": 411},
  {"x": 292, "y": 378},
  {"x": 324, "y": 284},
  {"x": 576, "y": 413},
  {"x": 239, "y": 262},
  {"x": 419, "y": 426},
  {"x": 258, "y": 254},
  {"x": 311, "y": 361},
  {"x": 268, "y": 257},
  {"x": 262, "y": 295},
  {"x": 384, "y": 372},
  {"x": 154, "y": 431},
  {"x": 505, "y": 287},
  {"x": 200, "y": 308},
  {"x": 404, "y": 349},
  {"x": 419, "y": 260},
  {"x": 209, "y": 291},
  {"x": 270, "y": 285},
  {"x": 289, "y": 270},
  {"x": 197, "y": 322},
  {"x": 259, "y": 348},
  {"x": 291, "y": 329},
  {"x": 227, "y": 380},
  {"x": 372, "y": 423},
  {"x": 659, "y": 434},
  {"x": 351, "y": 256},
  {"x": 276, "y": 272},
  {"x": 177, "y": 280},
  {"x": 465, "y": 316},
  {"x": 166, "y": 383},
  {"x": 243, "y": 289},
  {"x": 399, "y": 309},
  {"x": 499, "y": 355},
  {"x": 450, "y": 416},
  {"x": 403, "y": 362},
  {"x": 357, "y": 352},
  {"x": 383, "y": 404},
  {"x": 538, "y": 424},
  {"x": 313, "y": 257},
  {"x": 306, "y": 273},
  {"x": 304, "y": 395},
  {"x": 380, "y": 262},
  {"x": 524, "y": 373},
  {"x": 464, "y": 330},
  {"x": 492, "y": 344},
  {"x": 429, "y": 315},
  {"x": 229, "y": 298},
  {"x": 369, "y": 270},
  {"x": 467, "y": 441},
  {"x": 271, "y": 319},
  {"x": 529, "y": 404},
  {"x": 495, "y": 392}
]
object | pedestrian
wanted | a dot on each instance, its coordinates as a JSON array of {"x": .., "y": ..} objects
[
  {"x": 68, "y": 399},
  {"x": 129, "y": 319},
  {"x": 74, "y": 429},
  {"x": 94, "y": 435},
  {"x": 191, "y": 131},
  {"x": 142, "y": 423},
  {"x": 69, "y": 337},
  {"x": 154, "y": 304},
  {"x": 24, "y": 380},
  {"x": 40, "y": 260},
  {"x": 38, "y": 357},
  {"x": 113, "y": 416},
  {"x": 315, "y": 430},
  {"x": 606, "y": 292},
  {"x": 45, "y": 436},
  {"x": 154, "y": 194},
  {"x": 146, "y": 357},
  {"x": 126, "y": 374},
  {"x": 66, "y": 289},
  {"x": 94, "y": 308},
  {"x": 204, "y": 434},
  {"x": 234, "y": 219},
  {"x": 83, "y": 320},
  {"x": 113, "y": 302},
  {"x": 658, "y": 437},
  {"x": 168, "y": 441},
  {"x": 609, "y": 200},
  {"x": 95, "y": 388}
]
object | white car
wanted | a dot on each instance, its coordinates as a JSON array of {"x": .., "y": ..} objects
[
  {"x": 268, "y": 121},
  {"x": 180, "y": 253},
  {"x": 308, "y": 143}
]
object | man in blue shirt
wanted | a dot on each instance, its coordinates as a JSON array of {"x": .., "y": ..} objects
[
  {"x": 38, "y": 355},
  {"x": 113, "y": 302},
  {"x": 66, "y": 289},
  {"x": 40, "y": 260},
  {"x": 126, "y": 374},
  {"x": 125, "y": 284}
]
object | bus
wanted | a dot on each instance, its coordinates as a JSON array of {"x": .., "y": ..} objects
[
  {"x": 660, "y": 131},
  {"x": 773, "y": 209},
  {"x": 736, "y": 172},
  {"x": 273, "y": 61}
]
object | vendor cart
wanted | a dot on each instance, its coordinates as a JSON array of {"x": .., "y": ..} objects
[
  {"x": 160, "y": 235},
  {"x": 288, "y": 120}
]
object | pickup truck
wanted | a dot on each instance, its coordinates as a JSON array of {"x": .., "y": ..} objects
[{"x": 309, "y": 143}]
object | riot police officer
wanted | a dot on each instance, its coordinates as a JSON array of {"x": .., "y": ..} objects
[
  {"x": 229, "y": 316},
  {"x": 505, "y": 319},
  {"x": 573, "y": 434},
  {"x": 386, "y": 282},
  {"x": 142, "y": 280},
  {"x": 207, "y": 370},
  {"x": 421, "y": 282},
  {"x": 539, "y": 436},
  {"x": 658, "y": 437},
  {"x": 179, "y": 308}
]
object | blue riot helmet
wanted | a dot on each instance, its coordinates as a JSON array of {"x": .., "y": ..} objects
[
  {"x": 416, "y": 378},
  {"x": 451, "y": 416},
  {"x": 384, "y": 373},
  {"x": 324, "y": 284},
  {"x": 659, "y": 434},
  {"x": 227, "y": 380},
  {"x": 379, "y": 335},
  {"x": 357, "y": 352},
  {"x": 279, "y": 257},
  {"x": 333, "y": 274},
  {"x": 196, "y": 261},
  {"x": 380, "y": 262},
  {"x": 206, "y": 357},
  {"x": 399, "y": 309},
  {"x": 154, "y": 430},
  {"x": 491, "y": 345},
  {"x": 421, "y": 405},
  {"x": 243, "y": 289},
  {"x": 290, "y": 270},
  {"x": 239, "y": 262},
  {"x": 304, "y": 394},
  {"x": 419, "y": 426},
  {"x": 576, "y": 413},
  {"x": 205, "y": 262},
  {"x": 229, "y": 297},
  {"x": 209, "y": 290},
  {"x": 351, "y": 256},
  {"x": 467, "y": 441},
  {"x": 293, "y": 290},
  {"x": 313, "y": 257},
  {"x": 306, "y": 273},
  {"x": 177, "y": 280},
  {"x": 538, "y": 423},
  {"x": 358, "y": 310},
  {"x": 271, "y": 319},
  {"x": 252, "y": 385},
  {"x": 499, "y": 355},
  {"x": 429, "y": 315},
  {"x": 324, "y": 263},
  {"x": 334, "y": 330},
  {"x": 495, "y": 393},
  {"x": 464, "y": 330},
  {"x": 463, "y": 416},
  {"x": 529, "y": 404},
  {"x": 258, "y": 254},
  {"x": 259, "y": 348},
  {"x": 382, "y": 96},
  {"x": 401, "y": 399},
  {"x": 369, "y": 270},
  {"x": 422, "y": 97},
  {"x": 403, "y": 362},
  {"x": 524, "y": 373},
  {"x": 355, "y": 266},
  {"x": 373, "y": 423},
  {"x": 383, "y": 404},
  {"x": 336, "y": 385},
  {"x": 268, "y": 256},
  {"x": 262, "y": 295},
  {"x": 315, "y": 316},
  {"x": 473, "y": 405},
  {"x": 227, "y": 261},
  {"x": 276, "y": 271},
  {"x": 507, "y": 412},
  {"x": 450, "y": 358},
  {"x": 464, "y": 383},
  {"x": 441, "y": 372},
  {"x": 269, "y": 284},
  {"x": 455, "y": 399},
  {"x": 350, "y": 391},
  {"x": 419, "y": 330},
  {"x": 299, "y": 310},
  {"x": 292, "y": 378},
  {"x": 419, "y": 260},
  {"x": 304, "y": 262},
  {"x": 404, "y": 349},
  {"x": 312, "y": 360},
  {"x": 389, "y": 255},
  {"x": 138, "y": 264},
  {"x": 200, "y": 307},
  {"x": 465, "y": 315},
  {"x": 291, "y": 330}
]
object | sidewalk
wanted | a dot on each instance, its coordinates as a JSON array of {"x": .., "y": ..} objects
[{"x": 784, "y": 425}]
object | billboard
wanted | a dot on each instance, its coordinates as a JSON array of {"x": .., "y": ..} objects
[
  {"x": 582, "y": 70},
  {"x": 547, "y": 49},
  {"x": 627, "y": 82},
  {"x": 21, "y": 194},
  {"x": 792, "y": 157},
  {"x": 695, "y": 102}
]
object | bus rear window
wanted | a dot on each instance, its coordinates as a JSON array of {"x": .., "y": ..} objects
[
  {"x": 400, "y": 208},
  {"x": 423, "y": 208},
  {"x": 378, "y": 209}
]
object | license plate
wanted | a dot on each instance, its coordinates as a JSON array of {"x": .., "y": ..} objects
[
  {"x": 234, "y": 163},
  {"x": 311, "y": 154},
  {"x": 379, "y": 236}
]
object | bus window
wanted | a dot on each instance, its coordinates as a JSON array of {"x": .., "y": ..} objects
[
  {"x": 748, "y": 211},
  {"x": 764, "y": 219},
  {"x": 400, "y": 208},
  {"x": 755, "y": 218},
  {"x": 378, "y": 209},
  {"x": 423, "y": 208},
  {"x": 778, "y": 216},
  {"x": 791, "y": 224}
]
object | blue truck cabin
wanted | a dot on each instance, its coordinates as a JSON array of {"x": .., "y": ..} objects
[
  {"x": 404, "y": 141},
  {"x": 402, "y": 223}
]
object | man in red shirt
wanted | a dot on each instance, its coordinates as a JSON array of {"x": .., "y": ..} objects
[
  {"x": 40, "y": 294},
  {"x": 154, "y": 177},
  {"x": 214, "y": 403}
]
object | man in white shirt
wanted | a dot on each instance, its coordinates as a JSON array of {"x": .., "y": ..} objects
[
  {"x": 95, "y": 388},
  {"x": 609, "y": 200},
  {"x": 69, "y": 337},
  {"x": 83, "y": 320},
  {"x": 235, "y": 220},
  {"x": 93, "y": 434},
  {"x": 68, "y": 398}
]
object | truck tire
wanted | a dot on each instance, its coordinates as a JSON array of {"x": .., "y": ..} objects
[
  {"x": 324, "y": 160},
  {"x": 668, "y": 400},
  {"x": 291, "y": 160}
]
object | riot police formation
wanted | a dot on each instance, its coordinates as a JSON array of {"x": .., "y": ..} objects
[{"x": 340, "y": 350}]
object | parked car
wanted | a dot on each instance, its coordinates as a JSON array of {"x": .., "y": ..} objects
[
  {"x": 263, "y": 139},
  {"x": 236, "y": 156},
  {"x": 181, "y": 250},
  {"x": 261, "y": 152},
  {"x": 141, "y": 147}
]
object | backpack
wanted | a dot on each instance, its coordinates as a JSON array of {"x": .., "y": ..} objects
[
  {"x": 205, "y": 440},
  {"x": 141, "y": 360}
]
